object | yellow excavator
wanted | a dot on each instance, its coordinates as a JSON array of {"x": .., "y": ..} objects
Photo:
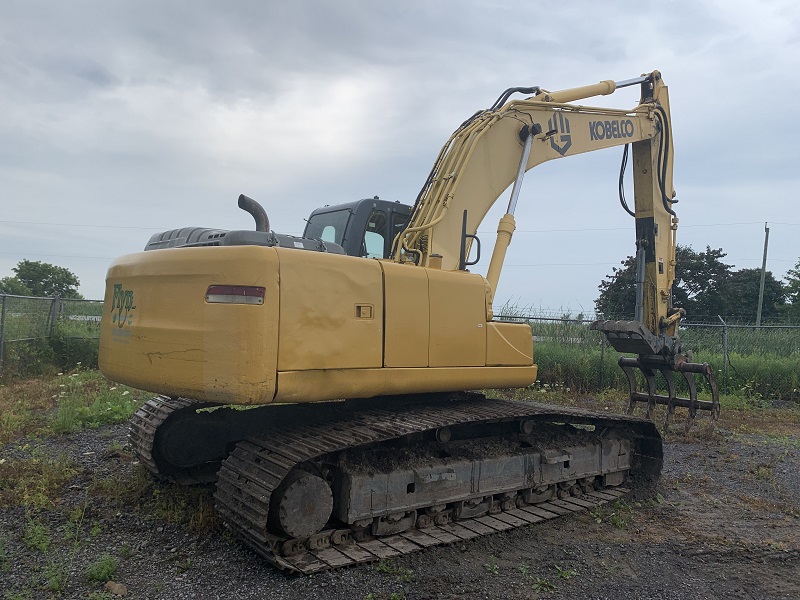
[{"x": 323, "y": 382}]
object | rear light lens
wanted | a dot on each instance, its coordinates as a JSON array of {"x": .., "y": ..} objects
[{"x": 235, "y": 294}]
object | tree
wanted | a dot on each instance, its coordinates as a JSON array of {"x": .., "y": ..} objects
[
  {"x": 743, "y": 290},
  {"x": 792, "y": 288},
  {"x": 701, "y": 279},
  {"x": 618, "y": 291},
  {"x": 699, "y": 288},
  {"x": 44, "y": 279},
  {"x": 13, "y": 287}
]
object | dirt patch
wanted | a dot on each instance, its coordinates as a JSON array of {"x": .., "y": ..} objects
[{"x": 726, "y": 524}]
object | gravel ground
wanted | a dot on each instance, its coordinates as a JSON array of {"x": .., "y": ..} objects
[{"x": 725, "y": 525}]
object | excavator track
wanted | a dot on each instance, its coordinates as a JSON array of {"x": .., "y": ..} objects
[
  {"x": 250, "y": 479},
  {"x": 144, "y": 428}
]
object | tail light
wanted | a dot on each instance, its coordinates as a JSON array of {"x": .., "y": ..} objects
[{"x": 235, "y": 294}]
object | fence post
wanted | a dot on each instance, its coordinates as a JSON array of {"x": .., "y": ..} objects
[
  {"x": 602, "y": 362},
  {"x": 55, "y": 310},
  {"x": 724, "y": 355},
  {"x": 2, "y": 331}
]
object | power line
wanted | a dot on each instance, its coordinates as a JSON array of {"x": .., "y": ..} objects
[
  {"x": 58, "y": 255},
  {"x": 482, "y": 232},
  {"x": 81, "y": 225}
]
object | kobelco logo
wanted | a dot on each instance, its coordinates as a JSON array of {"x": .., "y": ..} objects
[
  {"x": 606, "y": 130},
  {"x": 558, "y": 123}
]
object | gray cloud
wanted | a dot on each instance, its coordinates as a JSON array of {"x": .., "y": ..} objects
[{"x": 153, "y": 114}]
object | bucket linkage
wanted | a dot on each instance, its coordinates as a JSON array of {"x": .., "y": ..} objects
[{"x": 659, "y": 354}]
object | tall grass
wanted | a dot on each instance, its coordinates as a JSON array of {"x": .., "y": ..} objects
[{"x": 587, "y": 369}]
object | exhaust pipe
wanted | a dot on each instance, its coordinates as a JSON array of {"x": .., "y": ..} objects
[{"x": 256, "y": 210}]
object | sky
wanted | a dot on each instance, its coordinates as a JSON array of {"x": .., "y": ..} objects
[{"x": 120, "y": 120}]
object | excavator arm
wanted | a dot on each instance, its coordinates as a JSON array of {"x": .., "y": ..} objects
[{"x": 495, "y": 148}]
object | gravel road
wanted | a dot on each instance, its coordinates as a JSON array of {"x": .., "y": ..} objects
[{"x": 725, "y": 525}]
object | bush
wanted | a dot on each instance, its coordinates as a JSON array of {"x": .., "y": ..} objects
[
  {"x": 28, "y": 358},
  {"x": 69, "y": 352}
]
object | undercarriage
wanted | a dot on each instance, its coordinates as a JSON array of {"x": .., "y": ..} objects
[{"x": 315, "y": 488}]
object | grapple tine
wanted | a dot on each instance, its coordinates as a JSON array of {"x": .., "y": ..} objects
[
  {"x": 690, "y": 383},
  {"x": 667, "y": 373},
  {"x": 650, "y": 378},
  {"x": 648, "y": 365},
  {"x": 631, "y": 375}
]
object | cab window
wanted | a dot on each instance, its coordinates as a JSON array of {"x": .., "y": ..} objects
[
  {"x": 328, "y": 226},
  {"x": 374, "y": 243}
]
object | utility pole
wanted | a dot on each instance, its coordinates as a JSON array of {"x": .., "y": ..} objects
[{"x": 763, "y": 275}]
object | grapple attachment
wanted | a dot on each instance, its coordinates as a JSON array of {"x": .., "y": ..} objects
[{"x": 659, "y": 354}]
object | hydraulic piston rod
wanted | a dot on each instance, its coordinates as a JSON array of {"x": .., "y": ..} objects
[{"x": 506, "y": 226}]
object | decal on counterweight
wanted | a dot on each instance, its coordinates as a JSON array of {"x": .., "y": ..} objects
[{"x": 122, "y": 306}]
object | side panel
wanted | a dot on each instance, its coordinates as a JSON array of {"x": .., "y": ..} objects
[
  {"x": 331, "y": 312},
  {"x": 158, "y": 333},
  {"x": 509, "y": 344},
  {"x": 407, "y": 315},
  {"x": 313, "y": 386},
  {"x": 457, "y": 319}
]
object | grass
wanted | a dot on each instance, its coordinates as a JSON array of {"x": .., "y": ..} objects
[
  {"x": 618, "y": 514},
  {"x": 64, "y": 403},
  {"x": 4, "y": 552},
  {"x": 540, "y": 584},
  {"x": 36, "y": 535},
  {"x": 565, "y": 573},
  {"x": 81, "y": 399},
  {"x": 34, "y": 482},
  {"x": 387, "y": 568},
  {"x": 55, "y": 577},
  {"x": 102, "y": 569},
  {"x": 492, "y": 566}
]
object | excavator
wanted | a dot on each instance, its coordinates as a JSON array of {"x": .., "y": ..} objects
[{"x": 326, "y": 382}]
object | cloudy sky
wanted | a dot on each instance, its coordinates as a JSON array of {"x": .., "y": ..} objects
[{"x": 123, "y": 119}]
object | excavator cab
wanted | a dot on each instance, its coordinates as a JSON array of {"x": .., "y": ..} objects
[{"x": 364, "y": 228}]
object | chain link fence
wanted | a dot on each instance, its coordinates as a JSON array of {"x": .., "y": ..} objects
[
  {"x": 757, "y": 362},
  {"x": 27, "y": 320},
  {"x": 761, "y": 363}
]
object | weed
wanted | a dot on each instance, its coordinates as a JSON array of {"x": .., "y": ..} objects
[
  {"x": 524, "y": 570},
  {"x": 540, "y": 584},
  {"x": 405, "y": 575},
  {"x": 123, "y": 489},
  {"x": 492, "y": 566},
  {"x": 565, "y": 573},
  {"x": 55, "y": 577},
  {"x": 764, "y": 472},
  {"x": 116, "y": 447},
  {"x": 618, "y": 514},
  {"x": 183, "y": 564},
  {"x": 193, "y": 506},
  {"x": 36, "y": 535},
  {"x": 4, "y": 555},
  {"x": 101, "y": 595},
  {"x": 125, "y": 551},
  {"x": 78, "y": 409},
  {"x": 102, "y": 569},
  {"x": 34, "y": 482}
]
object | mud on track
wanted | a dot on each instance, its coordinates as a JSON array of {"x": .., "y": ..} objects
[{"x": 726, "y": 525}]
